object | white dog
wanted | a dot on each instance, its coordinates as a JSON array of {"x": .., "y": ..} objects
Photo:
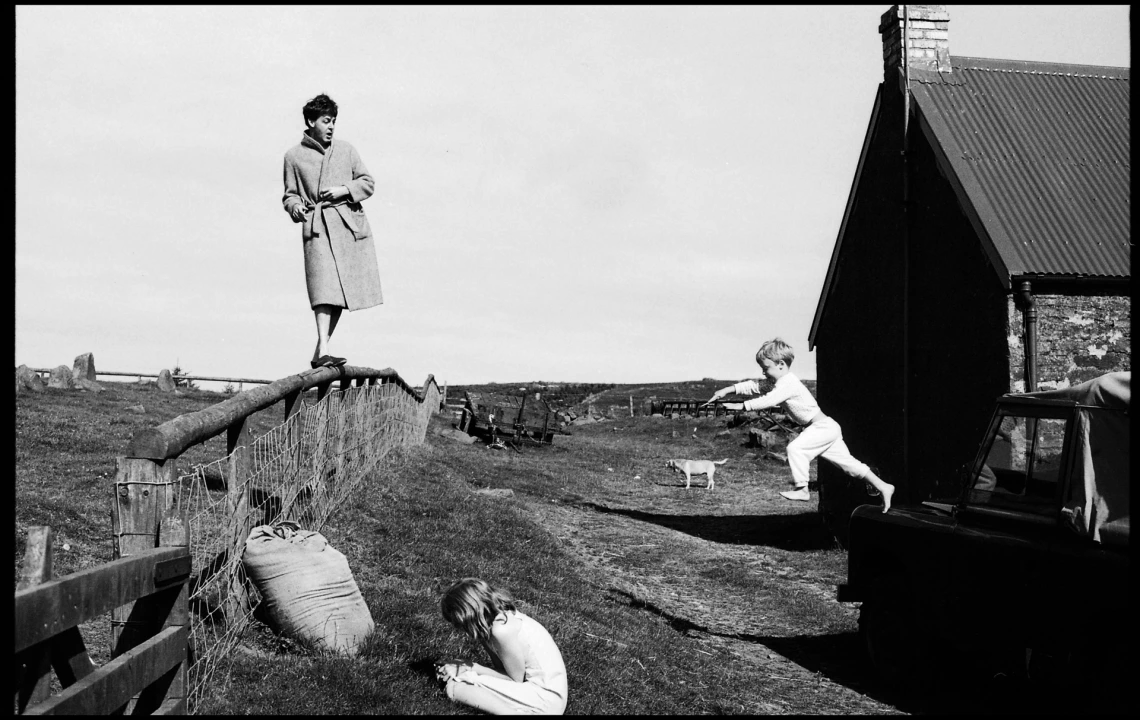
[{"x": 696, "y": 467}]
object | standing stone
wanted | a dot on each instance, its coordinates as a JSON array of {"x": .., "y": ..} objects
[
  {"x": 84, "y": 367},
  {"x": 61, "y": 378},
  {"x": 165, "y": 382},
  {"x": 28, "y": 379}
]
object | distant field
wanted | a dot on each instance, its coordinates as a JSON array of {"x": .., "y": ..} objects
[
  {"x": 662, "y": 600},
  {"x": 573, "y": 396}
]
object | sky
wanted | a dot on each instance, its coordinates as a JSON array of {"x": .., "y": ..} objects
[{"x": 629, "y": 194}]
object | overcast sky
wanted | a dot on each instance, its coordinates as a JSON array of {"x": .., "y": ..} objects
[{"x": 577, "y": 194}]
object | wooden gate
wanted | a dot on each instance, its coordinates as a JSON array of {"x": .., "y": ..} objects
[{"x": 145, "y": 587}]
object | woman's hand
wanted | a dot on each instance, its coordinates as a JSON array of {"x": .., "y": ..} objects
[{"x": 297, "y": 212}]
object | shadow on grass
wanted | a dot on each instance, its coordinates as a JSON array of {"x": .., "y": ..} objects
[
  {"x": 803, "y": 532},
  {"x": 841, "y": 659}
]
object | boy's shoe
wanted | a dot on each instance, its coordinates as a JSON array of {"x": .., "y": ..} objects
[{"x": 797, "y": 494}]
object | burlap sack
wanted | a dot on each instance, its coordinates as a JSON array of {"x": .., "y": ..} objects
[{"x": 307, "y": 586}]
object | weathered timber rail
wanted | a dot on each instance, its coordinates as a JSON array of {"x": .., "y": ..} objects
[
  {"x": 140, "y": 376},
  {"x": 171, "y": 438}
]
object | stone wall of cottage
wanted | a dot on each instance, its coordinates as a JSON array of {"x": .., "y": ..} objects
[{"x": 1078, "y": 338}]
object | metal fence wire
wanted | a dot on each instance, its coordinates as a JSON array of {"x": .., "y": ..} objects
[{"x": 301, "y": 470}]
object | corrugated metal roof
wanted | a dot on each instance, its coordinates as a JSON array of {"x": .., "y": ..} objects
[{"x": 1042, "y": 153}]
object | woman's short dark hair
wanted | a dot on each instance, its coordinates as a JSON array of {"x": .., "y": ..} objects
[{"x": 318, "y": 107}]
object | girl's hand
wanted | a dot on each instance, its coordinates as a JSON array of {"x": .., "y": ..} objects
[{"x": 298, "y": 212}]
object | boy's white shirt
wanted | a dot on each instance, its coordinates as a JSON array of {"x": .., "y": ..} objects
[{"x": 789, "y": 391}]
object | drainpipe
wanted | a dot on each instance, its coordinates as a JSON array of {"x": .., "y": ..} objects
[{"x": 1029, "y": 312}]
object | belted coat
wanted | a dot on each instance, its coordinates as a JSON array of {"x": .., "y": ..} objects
[{"x": 340, "y": 255}]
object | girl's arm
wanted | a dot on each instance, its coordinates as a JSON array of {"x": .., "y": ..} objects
[{"x": 484, "y": 670}]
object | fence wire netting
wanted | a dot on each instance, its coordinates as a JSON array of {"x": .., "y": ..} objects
[{"x": 301, "y": 470}]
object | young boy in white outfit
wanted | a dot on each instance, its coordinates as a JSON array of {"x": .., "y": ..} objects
[{"x": 822, "y": 436}]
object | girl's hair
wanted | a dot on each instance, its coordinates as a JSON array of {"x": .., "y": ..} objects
[
  {"x": 776, "y": 350},
  {"x": 472, "y": 604},
  {"x": 318, "y": 107}
]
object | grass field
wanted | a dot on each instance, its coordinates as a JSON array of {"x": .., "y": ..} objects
[{"x": 662, "y": 600}]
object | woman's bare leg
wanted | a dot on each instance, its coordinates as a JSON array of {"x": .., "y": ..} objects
[{"x": 326, "y": 317}]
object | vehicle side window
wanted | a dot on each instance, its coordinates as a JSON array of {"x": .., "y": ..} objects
[{"x": 1023, "y": 465}]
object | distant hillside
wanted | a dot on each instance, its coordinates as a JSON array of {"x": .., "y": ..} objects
[{"x": 575, "y": 396}]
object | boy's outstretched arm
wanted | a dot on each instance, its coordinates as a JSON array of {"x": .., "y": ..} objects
[{"x": 721, "y": 393}]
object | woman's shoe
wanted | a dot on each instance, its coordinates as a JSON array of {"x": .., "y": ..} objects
[{"x": 328, "y": 361}]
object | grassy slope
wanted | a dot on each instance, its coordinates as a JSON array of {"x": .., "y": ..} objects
[{"x": 662, "y": 600}]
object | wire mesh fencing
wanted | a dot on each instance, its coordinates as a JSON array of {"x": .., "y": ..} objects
[{"x": 301, "y": 470}]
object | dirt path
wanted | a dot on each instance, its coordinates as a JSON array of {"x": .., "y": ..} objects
[{"x": 765, "y": 611}]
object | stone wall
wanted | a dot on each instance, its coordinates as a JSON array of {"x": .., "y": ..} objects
[{"x": 1078, "y": 338}]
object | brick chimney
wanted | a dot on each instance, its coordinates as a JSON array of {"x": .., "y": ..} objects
[{"x": 928, "y": 39}]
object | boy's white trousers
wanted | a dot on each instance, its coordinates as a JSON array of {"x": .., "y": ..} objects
[
  {"x": 822, "y": 438},
  {"x": 499, "y": 696}
]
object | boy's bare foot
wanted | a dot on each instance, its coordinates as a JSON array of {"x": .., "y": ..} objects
[
  {"x": 797, "y": 494},
  {"x": 888, "y": 491}
]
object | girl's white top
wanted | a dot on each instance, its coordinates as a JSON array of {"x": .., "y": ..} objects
[
  {"x": 789, "y": 392},
  {"x": 542, "y": 659}
]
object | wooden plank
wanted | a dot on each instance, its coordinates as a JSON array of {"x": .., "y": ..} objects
[
  {"x": 33, "y": 678},
  {"x": 69, "y": 657},
  {"x": 174, "y": 533},
  {"x": 48, "y": 609},
  {"x": 36, "y": 567},
  {"x": 112, "y": 685}
]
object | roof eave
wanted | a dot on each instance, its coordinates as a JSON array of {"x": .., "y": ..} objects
[{"x": 831, "y": 266}]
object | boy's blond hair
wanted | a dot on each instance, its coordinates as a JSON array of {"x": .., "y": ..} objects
[{"x": 776, "y": 350}]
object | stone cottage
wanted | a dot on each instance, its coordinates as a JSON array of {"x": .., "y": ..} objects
[{"x": 985, "y": 248}]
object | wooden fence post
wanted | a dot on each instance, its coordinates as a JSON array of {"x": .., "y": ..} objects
[
  {"x": 33, "y": 680},
  {"x": 147, "y": 512},
  {"x": 295, "y": 438},
  {"x": 237, "y": 508}
]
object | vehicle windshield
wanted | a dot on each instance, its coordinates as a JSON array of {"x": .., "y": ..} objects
[{"x": 1022, "y": 469}]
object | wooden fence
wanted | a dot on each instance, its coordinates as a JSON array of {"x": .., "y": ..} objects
[
  {"x": 144, "y": 587},
  {"x": 694, "y": 408}
]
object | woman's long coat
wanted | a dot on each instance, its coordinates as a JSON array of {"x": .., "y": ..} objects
[{"x": 340, "y": 255}]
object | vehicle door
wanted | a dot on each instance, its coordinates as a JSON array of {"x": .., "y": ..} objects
[{"x": 1007, "y": 526}]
